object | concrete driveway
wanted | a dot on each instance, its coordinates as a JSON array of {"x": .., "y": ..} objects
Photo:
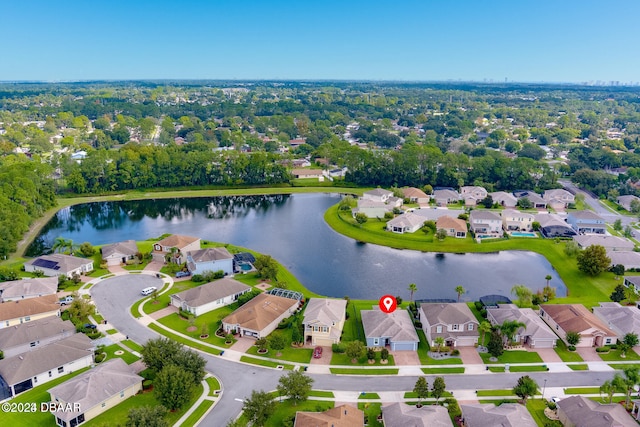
[
  {"x": 548, "y": 355},
  {"x": 470, "y": 356},
  {"x": 405, "y": 358},
  {"x": 243, "y": 344},
  {"x": 325, "y": 359},
  {"x": 588, "y": 354}
]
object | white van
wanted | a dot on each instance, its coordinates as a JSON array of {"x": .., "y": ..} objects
[{"x": 148, "y": 291}]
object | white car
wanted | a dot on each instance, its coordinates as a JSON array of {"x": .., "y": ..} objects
[{"x": 148, "y": 291}]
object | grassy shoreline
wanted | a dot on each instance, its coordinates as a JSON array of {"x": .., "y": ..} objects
[{"x": 65, "y": 202}]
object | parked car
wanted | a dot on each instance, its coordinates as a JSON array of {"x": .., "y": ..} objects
[
  {"x": 148, "y": 291},
  {"x": 317, "y": 353},
  {"x": 180, "y": 274},
  {"x": 66, "y": 300},
  {"x": 89, "y": 326}
]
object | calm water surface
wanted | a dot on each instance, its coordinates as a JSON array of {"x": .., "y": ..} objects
[{"x": 292, "y": 229}]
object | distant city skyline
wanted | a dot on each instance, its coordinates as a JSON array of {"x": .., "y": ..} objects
[{"x": 584, "y": 42}]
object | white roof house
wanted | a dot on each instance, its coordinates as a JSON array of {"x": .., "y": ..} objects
[
  {"x": 28, "y": 288},
  {"x": 408, "y": 222},
  {"x": 621, "y": 319}
]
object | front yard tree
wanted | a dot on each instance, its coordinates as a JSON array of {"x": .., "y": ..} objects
[
  {"x": 173, "y": 386},
  {"x": 439, "y": 341},
  {"x": 87, "y": 250},
  {"x": 524, "y": 294},
  {"x": 267, "y": 267},
  {"x": 296, "y": 385},
  {"x": 361, "y": 218},
  {"x": 617, "y": 295},
  {"x": 460, "y": 290},
  {"x": 495, "y": 346},
  {"x": 593, "y": 260},
  {"x": 277, "y": 343},
  {"x": 525, "y": 388},
  {"x": 421, "y": 389},
  {"x": 484, "y": 328},
  {"x": 147, "y": 416},
  {"x": 156, "y": 352},
  {"x": 441, "y": 234},
  {"x": 191, "y": 362},
  {"x": 259, "y": 407},
  {"x": 573, "y": 338},
  {"x": 608, "y": 388},
  {"x": 355, "y": 350},
  {"x": 438, "y": 388},
  {"x": 630, "y": 380},
  {"x": 617, "y": 225},
  {"x": 412, "y": 288},
  {"x": 631, "y": 339},
  {"x": 509, "y": 329}
]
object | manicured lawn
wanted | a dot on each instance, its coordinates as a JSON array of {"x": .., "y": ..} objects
[
  {"x": 342, "y": 359},
  {"x": 412, "y": 395},
  {"x": 583, "y": 289},
  {"x": 164, "y": 299},
  {"x": 186, "y": 342},
  {"x": 353, "y": 329},
  {"x": 494, "y": 393},
  {"x": 621, "y": 366},
  {"x": 321, "y": 393},
  {"x": 132, "y": 345},
  {"x": 290, "y": 354},
  {"x": 371, "y": 412},
  {"x": 496, "y": 368},
  {"x": 287, "y": 410},
  {"x": 214, "y": 385},
  {"x": 527, "y": 368},
  {"x": 513, "y": 356},
  {"x": 267, "y": 363},
  {"x": 212, "y": 319},
  {"x": 430, "y": 371},
  {"x": 36, "y": 395},
  {"x": 126, "y": 356},
  {"x": 565, "y": 354},
  {"x": 579, "y": 367},
  {"x": 536, "y": 409},
  {"x": 582, "y": 390},
  {"x": 111, "y": 331},
  {"x": 134, "y": 308},
  {"x": 423, "y": 348},
  {"x": 614, "y": 356},
  {"x": 369, "y": 396},
  {"x": 199, "y": 412},
  {"x": 347, "y": 371}
]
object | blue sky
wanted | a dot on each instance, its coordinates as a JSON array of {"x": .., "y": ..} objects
[{"x": 541, "y": 41}]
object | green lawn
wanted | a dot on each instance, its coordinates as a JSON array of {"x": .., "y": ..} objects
[
  {"x": 371, "y": 412},
  {"x": 211, "y": 319},
  {"x": 579, "y": 367},
  {"x": 267, "y": 363},
  {"x": 126, "y": 356},
  {"x": 430, "y": 371},
  {"x": 287, "y": 410},
  {"x": 289, "y": 354},
  {"x": 347, "y": 371},
  {"x": 321, "y": 393},
  {"x": 164, "y": 300},
  {"x": 583, "y": 289},
  {"x": 565, "y": 354},
  {"x": 494, "y": 393},
  {"x": 614, "y": 356},
  {"x": 582, "y": 390},
  {"x": 342, "y": 359},
  {"x": 132, "y": 345},
  {"x": 536, "y": 409},
  {"x": 36, "y": 395},
  {"x": 214, "y": 385},
  {"x": 186, "y": 342},
  {"x": 111, "y": 331},
  {"x": 134, "y": 308},
  {"x": 621, "y": 366},
  {"x": 423, "y": 348},
  {"x": 412, "y": 395},
  {"x": 198, "y": 413},
  {"x": 513, "y": 356},
  {"x": 369, "y": 396},
  {"x": 527, "y": 368}
]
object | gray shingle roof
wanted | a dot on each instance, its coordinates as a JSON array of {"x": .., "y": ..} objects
[
  {"x": 128, "y": 247},
  {"x": 64, "y": 263},
  {"x": 456, "y": 313},
  {"x": 625, "y": 319},
  {"x": 34, "y": 331},
  {"x": 212, "y": 291},
  {"x": 505, "y": 415},
  {"x": 584, "y": 412},
  {"x": 397, "y": 325},
  {"x": 325, "y": 311},
  {"x": 210, "y": 254},
  {"x": 29, "y": 287},
  {"x": 534, "y": 325},
  {"x": 403, "y": 415}
]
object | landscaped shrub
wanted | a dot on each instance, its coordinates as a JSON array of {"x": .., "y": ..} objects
[
  {"x": 455, "y": 352},
  {"x": 338, "y": 348},
  {"x": 197, "y": 278},
  {"x": 478, "y": 305},
  {"x": 572, "y": 348},
  {"x": 417, "y": 324},
  {"x": 602, "y": 350},
  {"x": 99, "y": 357},
  {"x": 552, "y": 405},
  {"x": 613, "y": 346}
]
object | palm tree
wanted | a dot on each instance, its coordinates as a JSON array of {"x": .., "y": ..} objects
[
  {"x": 484, "y": 328},
  {"x": 460, "y": 290},
  {"x": 412, "y": 289},
  {"x": 631, "y": 378},
  {"x": 509, "y": 328},
  {"x": 60, "y": 244},
  {"x": 439, "y": 342},
  {"x": 548, "y": 277},
  {"x": 608, "y": 388}
]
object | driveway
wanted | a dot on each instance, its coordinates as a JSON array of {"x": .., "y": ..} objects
[
  {"x": 154, "y": 266},
  {"x": 588, "y": 354},
  {"x": 548, "y": 355},
  {"x": 405, "y": 358},
  {"x": 325, "y": 359},
  {"x": 470, "y": 356},
  {"x": 243, "y": 344},
  {"x": 164, "y": 312},
  {"x": 116, "y": 269}
]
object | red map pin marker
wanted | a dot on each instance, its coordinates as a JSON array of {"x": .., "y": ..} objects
[{"x": 388, "y": 304}]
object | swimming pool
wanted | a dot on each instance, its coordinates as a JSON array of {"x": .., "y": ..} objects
[{"x": 523, "y": 234}]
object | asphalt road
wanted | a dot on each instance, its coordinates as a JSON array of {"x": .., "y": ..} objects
[{"x": 114, "y": 296}]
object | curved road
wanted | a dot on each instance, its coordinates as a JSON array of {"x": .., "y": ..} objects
[{"x": 114, "y": 296}]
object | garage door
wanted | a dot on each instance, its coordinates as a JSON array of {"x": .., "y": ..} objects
[{"x": 399, "y": 346}]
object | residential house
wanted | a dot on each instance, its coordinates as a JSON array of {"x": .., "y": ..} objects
[
  {"x": 445, "y": 196},
  {"x": 377, "y": 195},
  {"x": 535, "y": 199},
  {"x": 433, "y": 214},
  {"x": 395, "y": 329},
  {"x": 485, "y": 224},
  {"x": 120, "y": 252},
  {"x": 505, "y": 415},
  {"x": 208, "y": 297},
  {"x": 632, "y": 281},
  {"x": 558, "y": 198},
  {"x": 535, "y": 333},
  {"x": 472, "y": 195},
  {"x": 323, "y": 321},
  {"x": 175, "y": 245},
  {"x": 415, "y": 195},
  {"x": 578, "y": 411},
  {"x": 260, "y": 316},
  {"x": 514, "y": 220},
  {"x": 371, "y": 208},
  {"x": 27, "y": 336},
  {"x": 28, "y": 288},
  {"x": 55, "y": 265},
  {"x": 95, "y": 391},
  {"x": 42, "y": 364},
  {"x": 454, "y": 227},
  {"x": 210, "y": 259},
  {"x": 308, "y": 173},
  {"x": 452, "y": 321},
  {"x": 21, "y": 311},
  {"x": 340, "y": 416},
  {"x": 625, "y": 201},
  {"x": 622, "y": 319},
  {"x": 586, "y": 222},
  {"x": 629, "y": 259},
  {"x": 408, "y": 222},
  {"x": 400, "y": 414},
  {"x": 506, "y": 200},
  {"x": 552, "y": 226},
  {"x": 563, "y": 318},
  {"x": 610, "y": 243}
]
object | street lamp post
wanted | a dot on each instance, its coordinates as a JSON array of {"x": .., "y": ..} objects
[{"x": 544, "y": 386}]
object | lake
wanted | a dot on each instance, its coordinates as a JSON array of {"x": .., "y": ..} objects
[{"x": 292, "y": 229}]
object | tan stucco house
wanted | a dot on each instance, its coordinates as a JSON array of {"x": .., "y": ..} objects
[
  {"x": 260, "y": 316},
  {"x": 323, "y": 321}
]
